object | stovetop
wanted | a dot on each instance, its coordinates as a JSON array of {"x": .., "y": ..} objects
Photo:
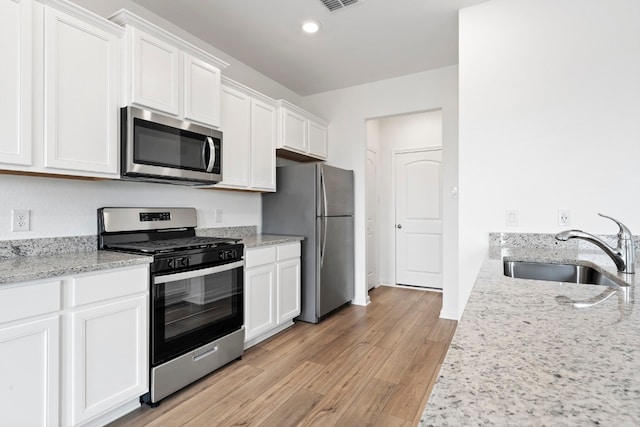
[{"x": 174, "y": 245}]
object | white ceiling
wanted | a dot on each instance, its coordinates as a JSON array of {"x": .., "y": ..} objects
[{"x": 369, "y": 41}]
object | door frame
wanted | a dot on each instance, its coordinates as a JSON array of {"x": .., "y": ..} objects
[
  {"x": 376, "y": 231},
  {"x": 394, "y": 153}
]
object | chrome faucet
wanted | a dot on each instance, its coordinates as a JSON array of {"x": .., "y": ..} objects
[{"x": 623, "y": 255}]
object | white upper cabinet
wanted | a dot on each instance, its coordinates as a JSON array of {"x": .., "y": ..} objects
[
  {"x": 249, "y": 139},
  {"x": 15, "y": 84},
  {"x": 201, "y": 91},
  {"x": 318, "y": 141},
  {"x": 167, "y": 74},
  {"x": 60, "y": 87},
  {"x": 81, "y": 64},
  {"x": 301, "y": 135},
  {"x": 155, "y": 72},
  {"x": 236, "y": 148},
  {"x": 263, "y": 145}
]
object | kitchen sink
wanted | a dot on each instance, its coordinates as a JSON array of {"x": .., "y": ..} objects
[{"x": 571, "y": 273}]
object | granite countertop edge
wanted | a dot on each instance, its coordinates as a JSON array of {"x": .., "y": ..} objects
[
  {"x": 525, "y": 354},
  {"x": 260, "y": 240},
  {"x": 36, "y": 268},
  {"x": 28, "y": 268}
]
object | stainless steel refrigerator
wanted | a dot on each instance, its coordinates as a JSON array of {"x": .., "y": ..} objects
[{"x": 316, "y": 201}]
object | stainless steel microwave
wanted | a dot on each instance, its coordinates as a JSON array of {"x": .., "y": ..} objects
[{"x": 158, "y": 148}]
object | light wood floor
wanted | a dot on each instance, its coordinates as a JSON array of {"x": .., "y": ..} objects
[{"x": 363, "y": 366}]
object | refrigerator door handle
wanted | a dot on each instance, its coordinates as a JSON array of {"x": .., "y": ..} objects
[
  {"x": 323, "y": 245},
  {"x": 323, "y": 190}
]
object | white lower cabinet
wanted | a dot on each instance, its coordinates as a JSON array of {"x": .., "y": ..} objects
[
  {"x": 107, "y": 366},
  {"x": 74, "y": 351},
  {"x": 29, "y": 370},
  {"x": 105, "y": 345},
  {"x": 260, "y": 313},
  {"x": 272, "y": 290},
  {"x": 30, "y": 354}
]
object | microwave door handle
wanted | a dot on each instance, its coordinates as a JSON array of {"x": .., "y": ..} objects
[{"x": 212, "y": 154}]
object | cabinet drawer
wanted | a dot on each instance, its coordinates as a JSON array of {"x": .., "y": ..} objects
[
  {"x": 29, "y": 300},
  {"x": 260, "y": 256},
  {"x": 288, "y": 251},
  {"x": 104, "y": 286}
]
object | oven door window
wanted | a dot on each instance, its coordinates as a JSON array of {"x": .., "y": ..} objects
[{"x": 193, "y": 308}]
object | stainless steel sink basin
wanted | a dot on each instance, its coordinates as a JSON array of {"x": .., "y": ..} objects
[{"x": 571, "y": 273}]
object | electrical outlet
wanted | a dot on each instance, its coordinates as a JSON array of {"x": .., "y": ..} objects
[
  {"x": 564, "y": 217},
  {"x": 218, "y": 215},
  {"x": 19, "y": 220},
  {"x": 511, "y": 218}
]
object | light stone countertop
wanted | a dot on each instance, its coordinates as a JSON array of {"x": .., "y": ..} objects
[
  {"x": 41, "y": 259},
  {"x": 28, "y": 268},
  {"x": 259, "y": 240},
  {"x": 522, "y": 357}
]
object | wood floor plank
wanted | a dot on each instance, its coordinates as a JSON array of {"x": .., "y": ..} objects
[
  {"x": 373, "y": 365},
  {"x": 395, "y": 367},
  {"x": 413, "y": 386},
  {"x": 262, "y": 407},
  {"x": 336, "y": 402},
  {"x": 386, "y": 420},
  {"x": 365, "y": 408},
  {"x": 293, "y": 410}
]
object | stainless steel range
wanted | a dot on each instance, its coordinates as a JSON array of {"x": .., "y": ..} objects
[{"x": 196, "y": 288}]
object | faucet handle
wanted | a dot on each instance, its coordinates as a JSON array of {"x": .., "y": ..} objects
[{"x": 624, "y": 232}]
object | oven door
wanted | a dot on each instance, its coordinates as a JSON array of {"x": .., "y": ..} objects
[{"x": 192, "y": 308}]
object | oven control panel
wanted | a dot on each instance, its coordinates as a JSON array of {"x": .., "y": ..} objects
[{"x": 197, "y": 258}]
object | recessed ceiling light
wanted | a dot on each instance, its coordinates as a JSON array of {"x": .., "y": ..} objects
[{"x": 310, "y": 26}]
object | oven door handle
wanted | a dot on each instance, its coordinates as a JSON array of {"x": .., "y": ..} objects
[{"x": 197, "y": 273}]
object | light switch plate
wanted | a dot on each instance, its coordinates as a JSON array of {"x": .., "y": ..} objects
[{"x": 511, "y": 218}]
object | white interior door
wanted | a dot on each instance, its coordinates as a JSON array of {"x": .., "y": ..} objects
[
  {"x": 372, "y": 207},
  {"x": 418, "y": 177}
]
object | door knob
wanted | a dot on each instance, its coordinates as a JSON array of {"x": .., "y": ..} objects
[{"x": 399, "y": 226}]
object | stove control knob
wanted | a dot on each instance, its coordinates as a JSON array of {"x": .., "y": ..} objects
[
  {"x": 184, "y": 262},
  {"x": 170, "y": 263}
]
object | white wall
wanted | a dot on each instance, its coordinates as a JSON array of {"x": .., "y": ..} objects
[
  {"x": 549, "y": 118},
  {"x": 396, "y": 133},
  {"x": 348, "y": 110},
  {"x": 65, "y": 207}
]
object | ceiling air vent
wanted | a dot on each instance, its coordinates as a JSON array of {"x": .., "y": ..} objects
[{"x": 333, "y": 5}]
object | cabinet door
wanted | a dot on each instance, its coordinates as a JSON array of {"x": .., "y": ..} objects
[
  {"x": 15, "y": 84},
  {"x": 81, "y": 95},
  {"x": 263, "y": 145},
  {"x": 288, "y": 276},
  {"x": 155, "y": 68},
  {"x": 236, "y": 138},
  {"x": 259, "y": 302},
  {"x": 29, "y": 373},
  {"x": 294, "y": 131},
  {"x": 318, "y": 140},
  {"x": 107, "y": 356},
  {"x": 201, "y": 92}
]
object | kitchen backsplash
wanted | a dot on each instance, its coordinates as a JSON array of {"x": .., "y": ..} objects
[{"x": 548, "y": 240}]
